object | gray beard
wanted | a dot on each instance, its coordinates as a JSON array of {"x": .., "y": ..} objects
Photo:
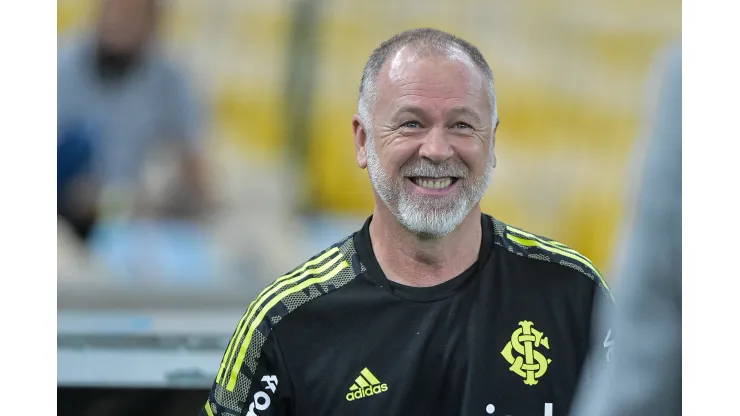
[{"x": 426, "y": 216}]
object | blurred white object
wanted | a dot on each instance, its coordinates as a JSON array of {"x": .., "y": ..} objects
[{"x": 154, "y": 251}]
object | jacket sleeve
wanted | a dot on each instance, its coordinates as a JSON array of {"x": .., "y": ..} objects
[
  {"x": 253, "y": 378},
  {"x": 603, "y": 333},
  {"x": 644, "y": 377}
]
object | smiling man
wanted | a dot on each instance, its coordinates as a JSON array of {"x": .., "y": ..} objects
[{"x": 432, "y": 307}]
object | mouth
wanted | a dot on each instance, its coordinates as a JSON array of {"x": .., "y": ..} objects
[{"x": 433, "y": 183}]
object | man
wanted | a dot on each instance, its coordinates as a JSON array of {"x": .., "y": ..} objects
[
  {"x": 118, "y": 100},
  {"x": 432, "y": 308},
  {"x": 645, "y": 378}
]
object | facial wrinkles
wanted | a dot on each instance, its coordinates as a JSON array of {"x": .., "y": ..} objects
[
  {"x": 429, "y": 216},
  {"x": 432, "y": 216},
  {"x": 435, "y": 95},
  {"x": 439, "y": 95}
]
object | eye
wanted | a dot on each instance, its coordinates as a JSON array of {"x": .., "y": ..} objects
[
  {"x": 461, "y": 125},
  {"x": 411, "y": 124}
]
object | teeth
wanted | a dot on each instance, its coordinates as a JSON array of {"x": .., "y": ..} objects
[{"x": 434, "y": 183}]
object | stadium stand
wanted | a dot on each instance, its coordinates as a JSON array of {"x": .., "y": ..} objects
[{"x": 569, "y": 76}]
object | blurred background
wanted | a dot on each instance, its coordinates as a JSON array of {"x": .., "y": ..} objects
[{"x": 205, "y": 148}]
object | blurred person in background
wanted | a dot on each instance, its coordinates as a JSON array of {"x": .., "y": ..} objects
[
  {"x": 644, "y": 377},
  {"x": 119, "y": 101},
  {"x": 432, "y": 307}
]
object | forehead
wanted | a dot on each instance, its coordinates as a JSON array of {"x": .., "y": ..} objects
[{"x": 408, "y": 77}]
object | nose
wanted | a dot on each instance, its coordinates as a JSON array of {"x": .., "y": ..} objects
[{"x": 436, "y": 147}]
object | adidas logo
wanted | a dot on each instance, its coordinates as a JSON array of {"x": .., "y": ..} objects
[{"x": 365, "y": 385}]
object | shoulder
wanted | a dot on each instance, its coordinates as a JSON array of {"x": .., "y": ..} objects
[
  {"x": 538, "y": 248},
  {"x": 323, "y": 273},
  {"x": 330, "y": 269},
  {"x": 71, "y": 54},
  {"x": 326, "y": 271}
]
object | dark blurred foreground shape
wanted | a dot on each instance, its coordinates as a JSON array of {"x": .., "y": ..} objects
[
  {"x": 644, "y": 375},
  {"x": 128, "y": 402}
]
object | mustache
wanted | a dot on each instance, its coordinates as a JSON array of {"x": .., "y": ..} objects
[{"x": 433, "y": 170}]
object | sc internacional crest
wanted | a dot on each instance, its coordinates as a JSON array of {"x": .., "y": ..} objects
[{"x": 529, "y": 363}]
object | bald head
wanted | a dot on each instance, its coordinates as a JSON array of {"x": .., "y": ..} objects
[{"x": 391, "y": 55}]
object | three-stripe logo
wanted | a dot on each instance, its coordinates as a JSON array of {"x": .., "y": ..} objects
[{"x": 366, "y": 384}]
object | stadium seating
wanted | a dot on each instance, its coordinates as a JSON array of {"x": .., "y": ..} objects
[{"x": 569, "y": 77}]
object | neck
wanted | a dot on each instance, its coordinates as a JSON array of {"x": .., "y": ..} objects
[{"x": 411, "y": 260}]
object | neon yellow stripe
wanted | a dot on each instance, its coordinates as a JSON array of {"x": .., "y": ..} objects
[
  {"x": 237, "y": 335},
  {"x": 361, "y": 382},
  {"x": 555, "y": 244},
  {"x": 272, "y": 290},
  {"x": 369, "y": 376},
  {"x": 240, "y": 327},
  {"x": 559, "y": 246},
  {"x": 255, "y": 323},
  {"x": 539, "y": 243},
  {"x": 208, "y": 407},
  {"x": 535, "y": 243}
]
